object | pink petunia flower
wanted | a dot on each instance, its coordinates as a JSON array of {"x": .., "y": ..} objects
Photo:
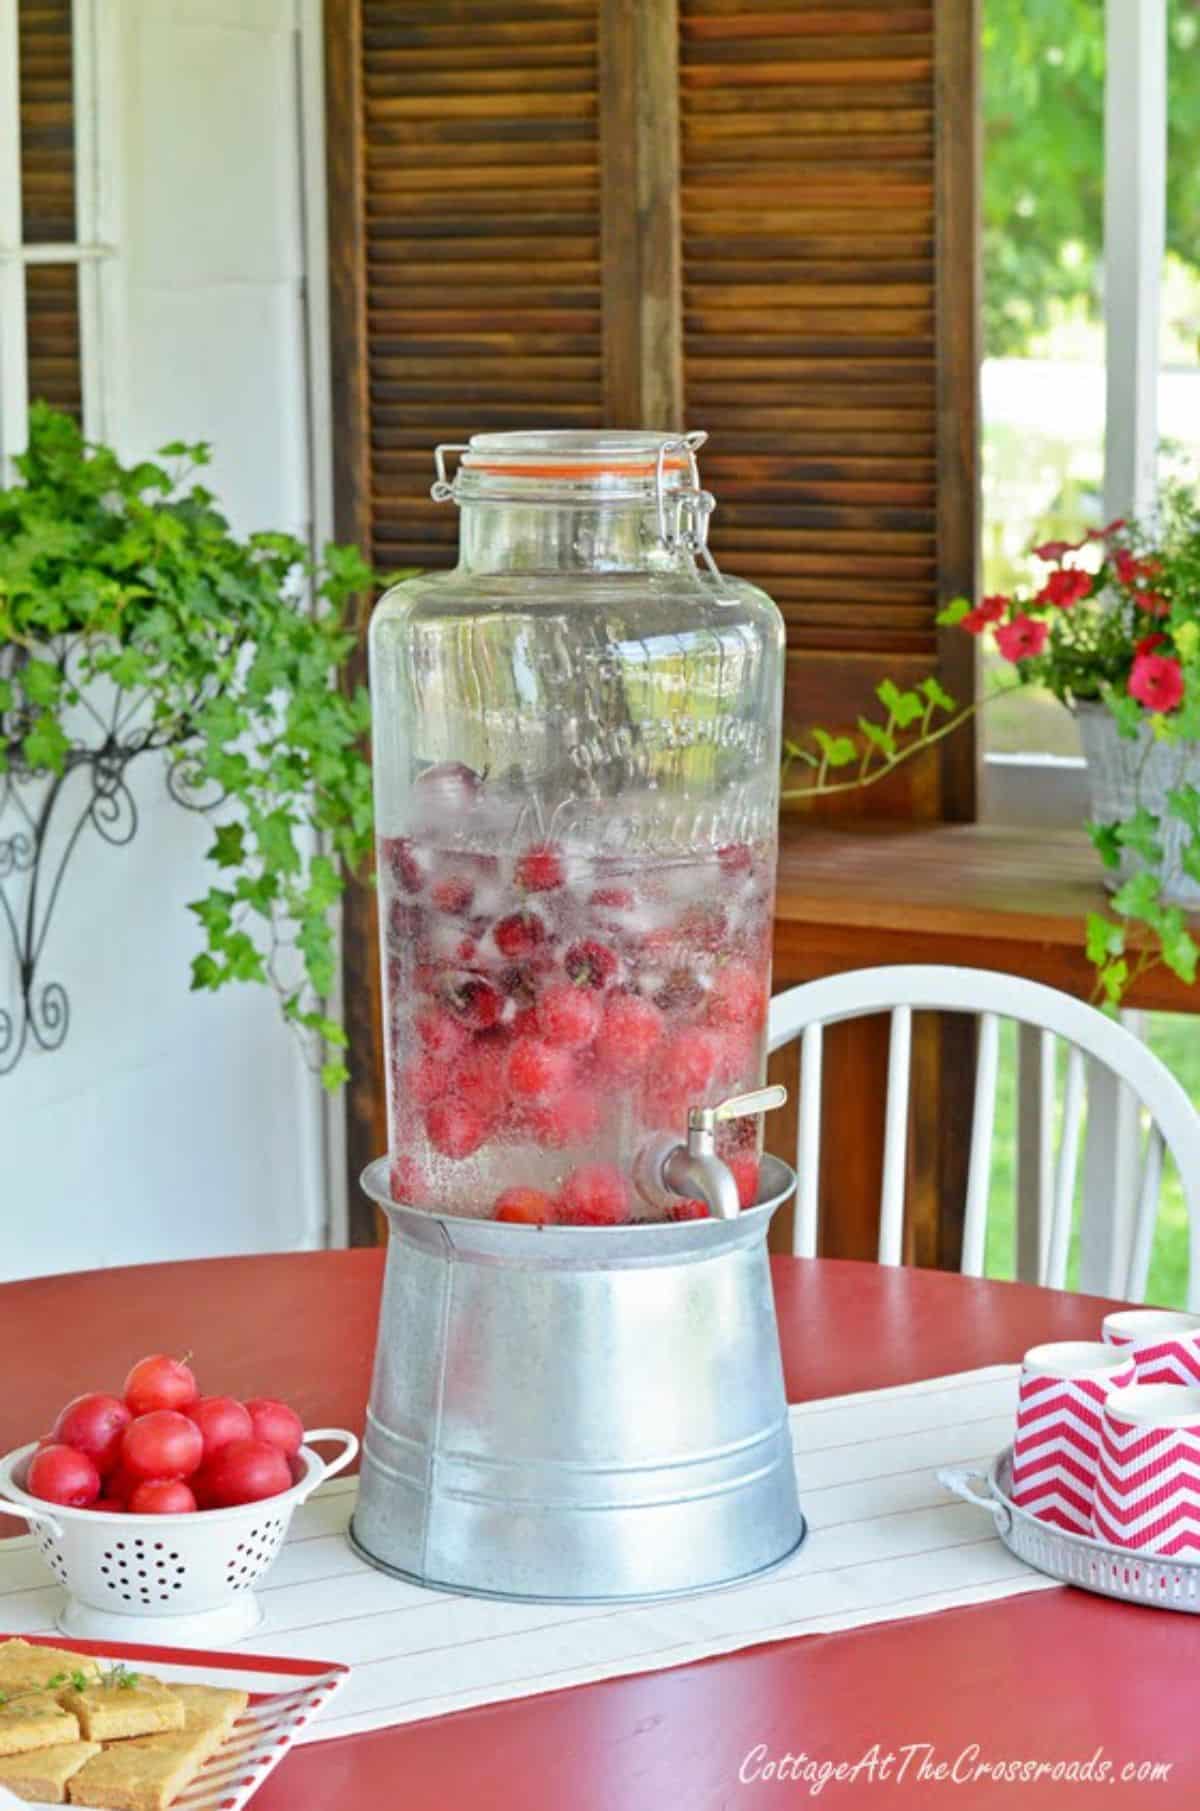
[
  {"x": 1157, "y": 682},
  {"x": 1065, "y": 588},
  {"x": 1053, "y": 551},
  {"x": 1149, "y": 643},
  {"x": 1024, "y": 638},
  {"x": 993, "y": 609}
]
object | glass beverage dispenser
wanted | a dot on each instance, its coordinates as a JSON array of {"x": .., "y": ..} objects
[{"x": 576, "y": 743}]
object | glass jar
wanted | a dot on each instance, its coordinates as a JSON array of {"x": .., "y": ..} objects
[{"x": 576, "y": 750}]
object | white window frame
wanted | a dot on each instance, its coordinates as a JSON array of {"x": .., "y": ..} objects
[
  {"x": 1040, "y": 789},
  {"x": 92, "y": 252}
]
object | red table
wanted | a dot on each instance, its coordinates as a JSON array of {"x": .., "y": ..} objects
[{"x": 1053, "y": 1676}]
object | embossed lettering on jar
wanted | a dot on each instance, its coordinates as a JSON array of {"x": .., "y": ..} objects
[{"x": 576, "y": 741}]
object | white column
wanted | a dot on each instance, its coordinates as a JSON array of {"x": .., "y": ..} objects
[
  {"x": 14, "y": 400},
  {"x": 97, "y": 94},
  {"x": 1135, "y": 165},
  {"x": 1135, "y": 186}
]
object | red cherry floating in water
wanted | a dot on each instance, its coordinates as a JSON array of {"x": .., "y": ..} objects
[
  {"x": 455, "y": 1127},
  {"x": 475, "y": 1001},
  {"x": 537, "y": 1069},
  {"x": 569, "y": 1015},
  {"x": 518, "y": 935},
  {"x": 540, "y": 869},
  {"x": 524, "y": 1207},
  {"x": 590, "y": 963},
  {"x": 630, "y": 1034},
  {"x": 596, "y": 1194}
]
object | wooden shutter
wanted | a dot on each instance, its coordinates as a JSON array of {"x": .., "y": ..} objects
[
  {"x": 45, "y": 76},
  {"x": 755, "y": 216},
  {"x": 811, "y": 177},
  {"x": 482, "y": 240}
]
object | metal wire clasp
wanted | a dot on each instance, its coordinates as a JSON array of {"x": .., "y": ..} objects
[
  {"x": 442, "y": 488},
  {"x": 686, "y": 524}
]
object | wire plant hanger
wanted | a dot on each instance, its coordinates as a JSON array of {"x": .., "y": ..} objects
[{"x": 43, "y": 818}]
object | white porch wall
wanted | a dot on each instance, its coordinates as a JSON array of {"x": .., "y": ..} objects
[{"x": 172, "y": 1124}]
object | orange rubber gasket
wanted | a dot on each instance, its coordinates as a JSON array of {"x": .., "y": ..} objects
[{"x": 643, "y": 469}]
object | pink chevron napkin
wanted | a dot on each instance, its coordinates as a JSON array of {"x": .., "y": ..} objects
[
  {"x": 1147, "y": 1492},
  {"x": 1165, "y": 1344},
  {"x": 1062, "y": 1394}
]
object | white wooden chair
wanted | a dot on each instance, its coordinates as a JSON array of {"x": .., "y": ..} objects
[{"x": 1174, "y": 1123}]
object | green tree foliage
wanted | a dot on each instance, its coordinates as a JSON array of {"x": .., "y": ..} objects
[{"x": 1043, "y": 81}]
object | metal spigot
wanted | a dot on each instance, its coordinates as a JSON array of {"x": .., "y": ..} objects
[{"x": 666, "y": 1170}]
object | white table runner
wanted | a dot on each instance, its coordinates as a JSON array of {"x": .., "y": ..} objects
[{"x": 884, "y": 1541}]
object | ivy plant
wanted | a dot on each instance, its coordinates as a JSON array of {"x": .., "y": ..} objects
[{"x": 135, "y": 623}]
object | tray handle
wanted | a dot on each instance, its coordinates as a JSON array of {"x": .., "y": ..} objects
[
  {"x": 349, "y": 1450},
  {"x": 34, "y": 1518},
  {"x": 963, "y": 1480}
]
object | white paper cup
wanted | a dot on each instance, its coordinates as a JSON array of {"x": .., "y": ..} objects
[
  {"x": 1165, "y": 1343},
  {"x": 1075, "y": 1358},
  {"x": 1061, "y": 1397},
  {"x": 1147, "y": 1497}
]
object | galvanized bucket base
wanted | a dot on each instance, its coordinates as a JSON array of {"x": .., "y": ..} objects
[
  {"x": 578, "y": 1414},
  {"x": 437, "y": 1584}
]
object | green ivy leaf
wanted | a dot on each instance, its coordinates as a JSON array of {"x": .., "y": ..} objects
[
  {"x": 953, "y": 612},
  {"x": 903, "y": 707},
  {"x": 1179, "y": 952},
  {"x": 205, "y": 974},
  {"x": 1183, "y": 802},
  {"x": 1106, "y": 842},
  {"x": 1140, "y": 833},
  {"x": 837, "y": 751},
  {"x": 1139, "y": 897},
  {"x": 41, "y": 682},
  {"x": 1114, "y": 978},
  {"x": 1104, "y": 938},
  {"x": 46, "y": 745},
  {"x": 1184, "y": 724},
  {"x": 228, "y": 846},
  {"x": 276, "y": 843},
  {"x": 935, "y": 695},
  {"x": 1127, "y": 714},
  {"x": 215, "y": 911},
  {"x": 880, "y": 738}
]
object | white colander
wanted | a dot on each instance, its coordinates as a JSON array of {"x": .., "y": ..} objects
[{"x": 193, "y": 1574}]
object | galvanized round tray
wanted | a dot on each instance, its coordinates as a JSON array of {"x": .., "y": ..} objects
[{"x": 1133, "y": 1576}]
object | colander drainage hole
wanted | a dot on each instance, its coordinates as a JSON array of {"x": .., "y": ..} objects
[{"x": 130, "y": 1571}]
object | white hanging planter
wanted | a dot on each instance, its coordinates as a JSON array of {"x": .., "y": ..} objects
[{"x": 1125, "y": 773}]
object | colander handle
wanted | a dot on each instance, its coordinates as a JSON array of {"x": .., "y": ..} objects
[
  {"x": 350, "y": 1448},
  {"x": 36, "y": 1518}
]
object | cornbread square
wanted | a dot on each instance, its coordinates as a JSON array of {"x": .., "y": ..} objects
[
  {"x": 211, "y": 1707},
  {"x": 131, "y": 1705},
  {"x": 24, "y": 1664},
  {"x": 148, "y": 1772},
  {"x": 42, "y": 1777},
  {"x": 34, "y": 1720}
]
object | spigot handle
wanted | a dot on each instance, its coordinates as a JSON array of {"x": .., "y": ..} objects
[
  {"x": 738, "y": 1106},
  {"x": 666, "y": 1171}
]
